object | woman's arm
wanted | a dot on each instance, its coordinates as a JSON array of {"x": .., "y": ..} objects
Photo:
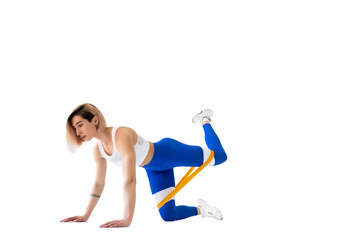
[
  {"x": 129, "y": 175},
  {"x": 99, "y": 183},
  {"x": 125, "y": 145},
  {"x": 97, "y": 189}
]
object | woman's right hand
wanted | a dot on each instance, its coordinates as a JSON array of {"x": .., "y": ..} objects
[{"x": 76, "y": 219}]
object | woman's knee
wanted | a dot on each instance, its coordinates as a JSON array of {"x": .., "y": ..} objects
[
  {"x": 220, "y": 157},
  {"x": 167, "y": 215}
]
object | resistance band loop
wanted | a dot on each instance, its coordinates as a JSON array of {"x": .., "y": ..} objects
[{"x": 187, "y": 178}]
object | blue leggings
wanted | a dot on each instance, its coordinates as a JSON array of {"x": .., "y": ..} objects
[{"x": 169, "y": 153}]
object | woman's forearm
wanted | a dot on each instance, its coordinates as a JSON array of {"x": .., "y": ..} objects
[
  {"x": 94, "y": 198},
  {"x": 129, "y": 199}
]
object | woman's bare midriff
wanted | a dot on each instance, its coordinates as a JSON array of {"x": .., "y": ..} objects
[{"x": 149, "y": 156}]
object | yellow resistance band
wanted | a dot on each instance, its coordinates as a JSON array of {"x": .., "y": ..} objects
[{"x": 187, "y": 178}]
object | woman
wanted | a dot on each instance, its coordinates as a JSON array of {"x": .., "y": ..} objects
[{"x": 123, "y": 146}]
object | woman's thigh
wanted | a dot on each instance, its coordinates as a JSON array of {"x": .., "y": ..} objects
[{"x": 170, "y": 153}]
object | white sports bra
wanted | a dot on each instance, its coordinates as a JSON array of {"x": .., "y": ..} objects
[{"x": 141, "y": 149}]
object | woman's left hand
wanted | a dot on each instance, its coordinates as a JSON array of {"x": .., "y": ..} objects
[{"x": 117, "y": 223}]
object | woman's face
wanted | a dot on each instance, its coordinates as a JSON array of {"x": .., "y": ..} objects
[{"x": 84, "y": 129}]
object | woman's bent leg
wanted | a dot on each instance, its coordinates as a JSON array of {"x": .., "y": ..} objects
[
  {"x": 161, "y": 184},
  {"x": 170, "y": 153}
]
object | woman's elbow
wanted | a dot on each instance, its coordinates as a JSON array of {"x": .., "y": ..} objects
[
  {"x": 100, "y": 185},
  {"x": 130, "y": 181}
]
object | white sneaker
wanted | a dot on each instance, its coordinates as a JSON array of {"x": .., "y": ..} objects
[
  {"x": 203, "y": 116},
  {"x": 209, "y": 211}
]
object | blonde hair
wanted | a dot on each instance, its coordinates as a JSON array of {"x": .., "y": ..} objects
[{"x": 87, "y": 111}]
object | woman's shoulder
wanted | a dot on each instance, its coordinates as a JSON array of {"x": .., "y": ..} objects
[
  {"x": 125, "y": 133},
  {"x": 124, "y": 130}
]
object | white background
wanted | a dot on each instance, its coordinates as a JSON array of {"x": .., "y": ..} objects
[{"x": 281, "y": 76}]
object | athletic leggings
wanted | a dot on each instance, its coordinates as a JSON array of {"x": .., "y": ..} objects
[{"x": 169, "y": 153}]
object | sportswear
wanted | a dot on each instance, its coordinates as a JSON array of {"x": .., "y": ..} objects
[
  {"x": 141, "y": 150},
  {"x": 203, "y": 116},
  {"x": 170, "y": 153},
  {"x": 209, "y": 211}
]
